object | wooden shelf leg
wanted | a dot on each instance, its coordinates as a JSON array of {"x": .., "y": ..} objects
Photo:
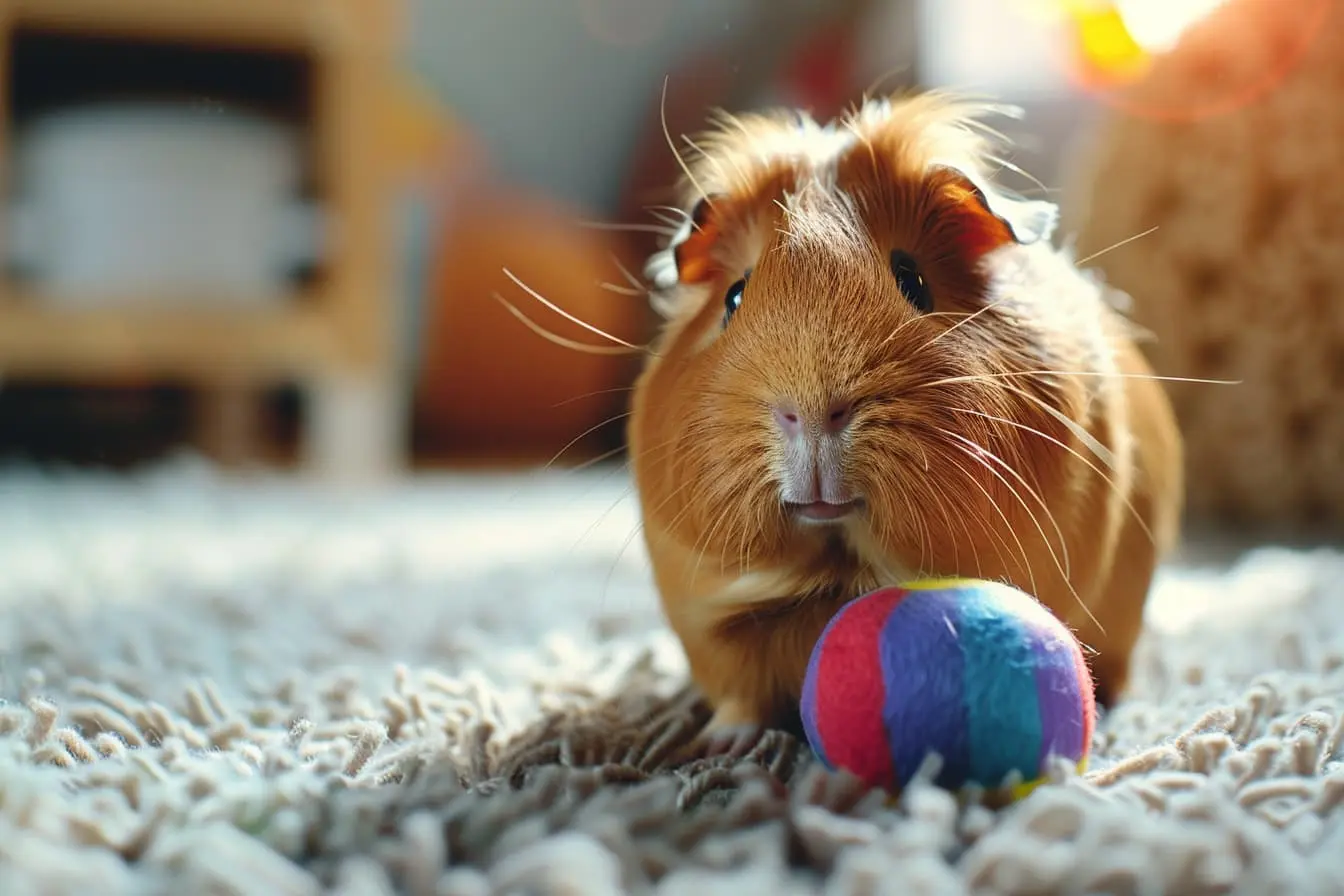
[
  {"x": 228, "y": 422},
  {"x": 355, "y": 427}
]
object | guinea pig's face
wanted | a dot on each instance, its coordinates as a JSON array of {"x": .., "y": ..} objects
[{"x": 855, "y": 344}]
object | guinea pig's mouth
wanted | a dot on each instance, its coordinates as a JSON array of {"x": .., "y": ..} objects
[{"x": 822, "y": 512}]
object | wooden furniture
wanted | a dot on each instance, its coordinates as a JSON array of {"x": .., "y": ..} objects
[{"x": 327, "y": 63}]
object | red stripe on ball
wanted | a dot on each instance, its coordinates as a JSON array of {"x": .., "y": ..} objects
[{"x": 851, "y": 691}]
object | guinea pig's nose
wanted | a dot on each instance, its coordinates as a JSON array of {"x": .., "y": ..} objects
[
  {"x": 833, "y": 420},
  {"x": 838, "y": 415}
]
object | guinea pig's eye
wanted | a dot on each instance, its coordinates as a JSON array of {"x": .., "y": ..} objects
[
  {"x": 733, "y": 299},
  {"x": 911, "y": 282}
]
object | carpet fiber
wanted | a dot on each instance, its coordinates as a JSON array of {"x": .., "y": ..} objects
[{"x": 461, "y": 686}]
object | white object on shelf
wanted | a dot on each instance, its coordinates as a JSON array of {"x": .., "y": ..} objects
[{"x": 174, "y": 199}]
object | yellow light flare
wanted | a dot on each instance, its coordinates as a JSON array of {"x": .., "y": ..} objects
[
  {"x": 1107, "y": 49},
  {"x": 1115, "y": 41},
  {"x": 1111, "y": 44}
]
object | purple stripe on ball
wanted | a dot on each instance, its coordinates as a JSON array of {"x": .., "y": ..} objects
[
  {"x": 1058, "y": 696},
  {"x": 923, "y": 669},
  {"x": 808, "y": 706}
]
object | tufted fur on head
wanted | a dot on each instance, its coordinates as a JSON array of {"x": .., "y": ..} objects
[{"x": 790, "y": 158}]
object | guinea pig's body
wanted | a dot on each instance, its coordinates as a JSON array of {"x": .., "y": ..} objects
[{"x": 876, "y": 367}]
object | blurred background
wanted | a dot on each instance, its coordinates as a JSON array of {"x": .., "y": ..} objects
[{"x": 272, "y": 231}]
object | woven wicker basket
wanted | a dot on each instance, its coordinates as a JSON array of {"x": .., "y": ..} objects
[{"x": 1233, "y": 147}]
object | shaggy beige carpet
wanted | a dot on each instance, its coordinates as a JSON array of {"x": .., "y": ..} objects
[{"x": 460, "y": 686}]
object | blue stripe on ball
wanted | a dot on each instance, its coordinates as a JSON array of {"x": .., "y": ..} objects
[
  {"x": 1000, "y": 683},
  {"x": 922, "y": 667}
]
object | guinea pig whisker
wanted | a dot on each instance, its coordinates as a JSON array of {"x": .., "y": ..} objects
[
  {"x": 987, "y": 525},
  {"x": 632, "y": 292},
  {"x": 625, "y": 494},
  {"x": 743, "y": 561},
  {"x": 595, "y": 392},
  {"x": 616, "y": 561},
  {"x": 1079, "y": 455},
  {"x": 639, "y": 527},
  {"x": 597, "y": 521},
  {"x": 665, "y": 219},
  {"x": 970, "y": 317},
  {"x": 559, "y": 340},
  {"x": 925, "y": 541},
  {"x": 659, "y": 230},
  {"x": 570, "y": 317},
  {"x": 620, "y": 290},
  {"x": 598, "y": 459},
  {"x": 910, "y": 321},
  {"x": 675, "y": 493},
  {"x": 671, "y": 144},
  {"x": 714, "y": 161},
  {"x": 1111, "y": 248},
  {"x": 633, "y": 533},
  {"x": 946, "y": 500},
  {"x": 707, "y": 539},
  {"x": 1104, "y": 374},
  {"x": 700, "y": 150},
  {"x": 907, "y": 499},
  {"x": 669, "y": 210},
  {"x": 905, "y": 520},
  {"x": 1102, "y": 453},
  {"x": 983, "y": 454},
  {"x": 989, "y": 528},
  {"x": 686, "y": 483},
  {"x": 941, "y": 502},
  {"x": 916, "y": 319},
  {"x": 1018, "y": 170},
  {"x": 635, "y": 282},
  {"x": 578, "y": 438}
]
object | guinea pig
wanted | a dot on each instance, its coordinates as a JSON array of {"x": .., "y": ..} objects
[{"x": 873, "y": 365}]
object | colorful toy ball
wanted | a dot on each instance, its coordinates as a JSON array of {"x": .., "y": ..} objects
[{"x": 976, "y": 671}]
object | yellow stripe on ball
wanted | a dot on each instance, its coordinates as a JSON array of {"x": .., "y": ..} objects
[{"x": 941, "y": 583}]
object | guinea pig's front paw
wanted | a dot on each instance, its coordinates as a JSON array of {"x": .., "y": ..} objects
[
  {"x": 730, "y": 742},
  {"x": 731, "y": 732},
  {"x": 730, "y": 714}
]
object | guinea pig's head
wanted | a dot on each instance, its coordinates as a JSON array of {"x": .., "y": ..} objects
[{"x": 859, "y": 339}]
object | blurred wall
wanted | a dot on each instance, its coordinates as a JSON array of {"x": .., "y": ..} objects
[
  {"x": 558, "y": 88},
  {"x": 996, "y": 47}
]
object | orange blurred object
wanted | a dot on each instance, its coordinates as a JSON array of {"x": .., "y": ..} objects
[{"x": 491, "y": 387}]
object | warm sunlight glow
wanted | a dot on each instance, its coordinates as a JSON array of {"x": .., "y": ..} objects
[
  {"x": 1111, "y": 46},
  {"x": 1117, "y": 39},
  {"x": 1156, "y": 25}
]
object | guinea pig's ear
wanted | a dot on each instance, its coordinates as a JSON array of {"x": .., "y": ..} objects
[
  {"x": 1027, "y": 220},
  {"x": 691, "y": 249}
]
